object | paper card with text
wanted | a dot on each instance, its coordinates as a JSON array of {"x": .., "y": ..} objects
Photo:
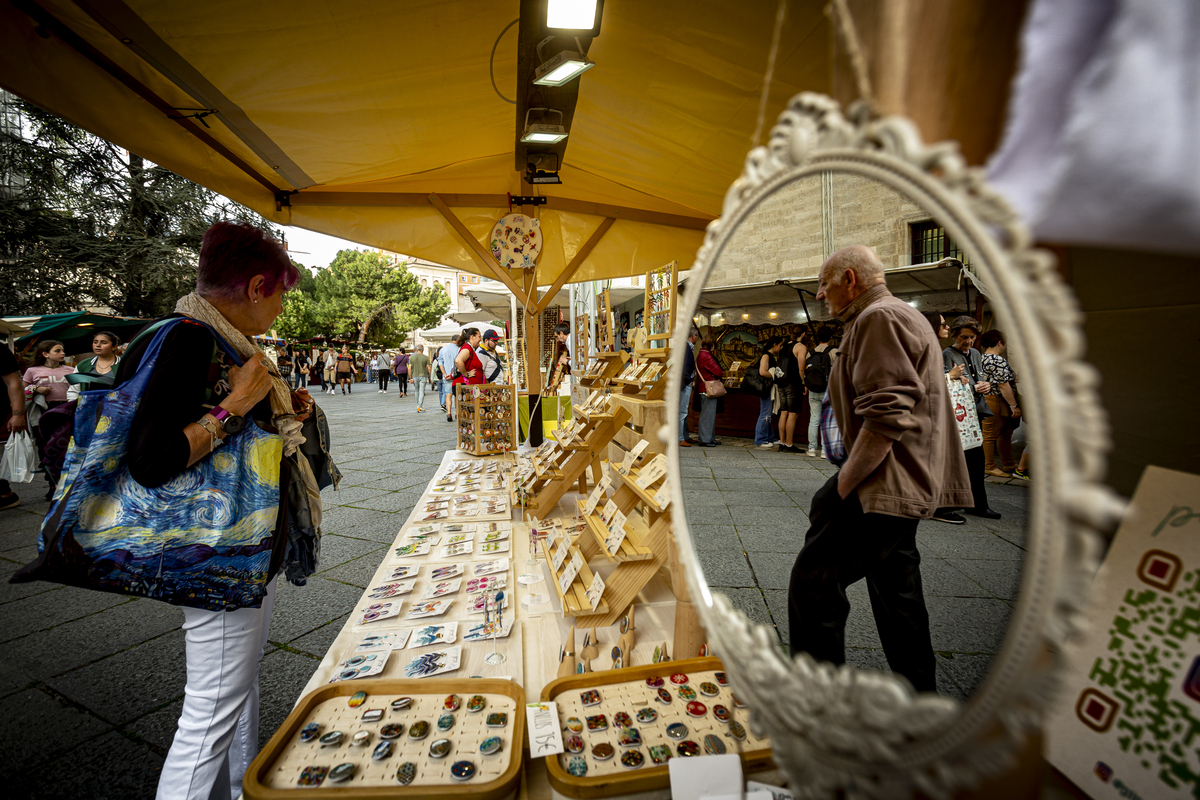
[
  {"x": 594, "y": 499},
  {"x": 569, "y": 573},
  {"x": 595, "y": 591},
  {"x": 663, "y": 496},
  {"x": 545, "y": 731},
  {"x": 616, "y": 534},
  {"x": 1127, "y": 713},
  {"x": 560, "y": 553},
  {"x": 640, "y": 447},
  {"x": 653, "y": 471},
  {"x": 610, "y": 509}
]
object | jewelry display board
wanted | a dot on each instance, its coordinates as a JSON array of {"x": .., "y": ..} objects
[
  {"x": 661, "y": 292},
  {"x": 604, "y": 323},
  {"x": 604, "y": 367},
  {"x": 487, "y": 418},
  {"x": 514, "y": 364},
  {"x": 676, "y": 709},
  {"x": 447, "y": 738},
  {"x": 582, "y": 329}
]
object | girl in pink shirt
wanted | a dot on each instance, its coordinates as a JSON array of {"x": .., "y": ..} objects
[{"x": 48, "y": 375}]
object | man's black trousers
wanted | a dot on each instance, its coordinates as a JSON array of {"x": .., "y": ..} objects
[{"x": 842, "y": 546}]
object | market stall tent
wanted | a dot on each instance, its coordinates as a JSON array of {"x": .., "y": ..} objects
[{"x": 378, "y": 123}]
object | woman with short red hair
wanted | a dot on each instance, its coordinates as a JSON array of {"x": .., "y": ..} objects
[{"x": 195, "y": 399}]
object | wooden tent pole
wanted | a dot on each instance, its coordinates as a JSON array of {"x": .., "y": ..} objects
[
  {"x": 481, "y": 254},
  {"x": 570, "y": 270}
]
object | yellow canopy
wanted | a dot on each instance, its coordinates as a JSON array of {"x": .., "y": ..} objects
[{"x": 369, "y": 108}]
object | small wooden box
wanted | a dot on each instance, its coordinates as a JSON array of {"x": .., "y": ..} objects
[
  {"x": 274, "y": 772},
  {"x": 619, "y": 691}
]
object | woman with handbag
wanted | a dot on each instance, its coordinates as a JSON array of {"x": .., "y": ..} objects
[
  {"x": 189, "y": 466},
  {"x": 1002, "y": 400},
  {"x": 708, "y": 374},
  {"x": 960, "y": 353}
]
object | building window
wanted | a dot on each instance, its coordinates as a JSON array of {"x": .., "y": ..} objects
[
  {"x": 475, "y": 279},
  {"x": 424, "y": 283},
  {"x": 930, "y": 243}
]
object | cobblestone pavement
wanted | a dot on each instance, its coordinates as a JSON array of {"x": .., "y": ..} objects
[
  {"x": 747, "y": 509},
  {"x": 91, "y": 684}
]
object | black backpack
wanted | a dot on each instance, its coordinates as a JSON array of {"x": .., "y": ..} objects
[{"x": 817, "y": 367}]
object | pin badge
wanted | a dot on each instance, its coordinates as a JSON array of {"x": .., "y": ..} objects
[
  {"x": 312, "y": 776},
  {"x": 332, "y": 739},
  {"x": 490, "y": 745},
  {"x": 574, "y": 744},
  {"x": 660, "y": 753},
  {"x": 439, "y": 749},
  {"x": 632, "y": 759},
  {"x": 497, "y": 720},
  {"x": 603, "y": 751},
  {"x": 392, "y": 731},
  {"x": 647, "y": 716},
  {"x": 309, "y": 732},
  {"x": 713, "y": 745},
  {"x": 654, "y": 682},
  {"x": 406, "y": 774},
  {"x": 688, "y": 749},
  {"x": 342, "y": 772},
  {"x": 709, "y": 689},
  {"x": 622, "y": 720},
  {"x": 418, "y": 730},
  {"x": 577, "y": 766},
  {"x": 358, "y": 698},
  {"x": 677, "y": 730},
  {"x": 381, "y": 751},
  {"x": 462, "y": 771}
]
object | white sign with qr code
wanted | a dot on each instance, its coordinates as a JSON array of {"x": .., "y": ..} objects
[{"x": 1126, "y": 719}]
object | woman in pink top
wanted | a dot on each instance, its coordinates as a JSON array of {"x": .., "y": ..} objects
[{"x": 48, "y": 375}]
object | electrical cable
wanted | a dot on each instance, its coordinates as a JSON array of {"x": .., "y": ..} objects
[{"x": 492, "y": 61}]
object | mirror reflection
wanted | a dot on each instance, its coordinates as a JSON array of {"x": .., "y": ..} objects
[{"x": 917, "y": 568}]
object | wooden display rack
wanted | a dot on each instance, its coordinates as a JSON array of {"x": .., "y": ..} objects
[
  {"x": 474, "y": 406},
  {"x": 656, "y": 386},
  {"x": 604, "y": 323},
  {"x": 644, "y": 550},
  {"x": 575, "y": 601},
  {"x": 607, "y": 367},
  {"x": 570, "y": 465},
  {"x": 581, "y": 342},
  {"x": 661, "y": 295}
]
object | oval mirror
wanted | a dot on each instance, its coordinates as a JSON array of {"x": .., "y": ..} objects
[{"x": 966, "y": 606}]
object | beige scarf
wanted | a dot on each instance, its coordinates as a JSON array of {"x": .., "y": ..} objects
[{"x": 282, "y": 415}]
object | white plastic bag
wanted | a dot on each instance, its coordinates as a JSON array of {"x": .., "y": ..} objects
[{"x": 20, "y": 459}]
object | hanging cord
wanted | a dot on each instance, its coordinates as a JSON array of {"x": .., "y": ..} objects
[
  {"x": 780, "y": 14},
  {"x": 858, "y": 59},
  {"x": 492, "y": 61}
]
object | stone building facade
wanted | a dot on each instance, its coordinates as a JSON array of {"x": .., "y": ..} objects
[{"x": 793, "y": 231}]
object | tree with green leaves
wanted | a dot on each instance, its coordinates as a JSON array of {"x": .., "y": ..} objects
[
  {"x": 363, "y": 296},
  {"x": 85, "y": 223}
]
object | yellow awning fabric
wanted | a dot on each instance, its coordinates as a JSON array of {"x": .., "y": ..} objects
[{"x": 368, "y": 108}]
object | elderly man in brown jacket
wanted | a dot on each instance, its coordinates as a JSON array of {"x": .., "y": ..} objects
[{"x": 904, "y": 460}]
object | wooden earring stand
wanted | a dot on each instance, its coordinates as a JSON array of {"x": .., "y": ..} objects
[
  {"x": 570, "y": 465},
  {"x": 639, "y": 557}
]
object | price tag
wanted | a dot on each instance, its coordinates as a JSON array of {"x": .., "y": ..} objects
[{"x": 545, "y": 734}]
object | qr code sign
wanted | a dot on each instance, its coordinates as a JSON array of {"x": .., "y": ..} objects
[{"x": 1150, "y": 664}]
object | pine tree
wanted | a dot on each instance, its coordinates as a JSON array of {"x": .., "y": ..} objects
[{"x": 89, "y": 224}]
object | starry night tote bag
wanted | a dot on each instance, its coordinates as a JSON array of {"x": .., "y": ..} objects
[{"x": 203, "y": 539}]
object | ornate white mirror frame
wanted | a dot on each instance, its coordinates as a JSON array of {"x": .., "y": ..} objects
[{"x": 867, "y": 732}]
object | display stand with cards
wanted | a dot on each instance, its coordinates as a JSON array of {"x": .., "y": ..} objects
[
  {"x": 632, "y": 529},
  {"x": 621, "y": 727},
  {"x": 568, "y": 467},
  {"x": 487, "y": 418},
  {"x": 378, "y": 737},
  {"x": 573, "y": 579}
]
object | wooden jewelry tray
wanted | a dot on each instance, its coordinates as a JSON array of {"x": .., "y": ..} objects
[
  {"x": 274, "y": 773},
  {"x": 626, "y": 690}
]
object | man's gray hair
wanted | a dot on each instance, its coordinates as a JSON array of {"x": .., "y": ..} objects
[
  {"x": 420, "y": 348},
  {"x": 862, "y": 261},
  {"x": 693, "y": 332}
]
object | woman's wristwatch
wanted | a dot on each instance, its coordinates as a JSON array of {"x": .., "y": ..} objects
[{"x": 230, "y": 423}]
